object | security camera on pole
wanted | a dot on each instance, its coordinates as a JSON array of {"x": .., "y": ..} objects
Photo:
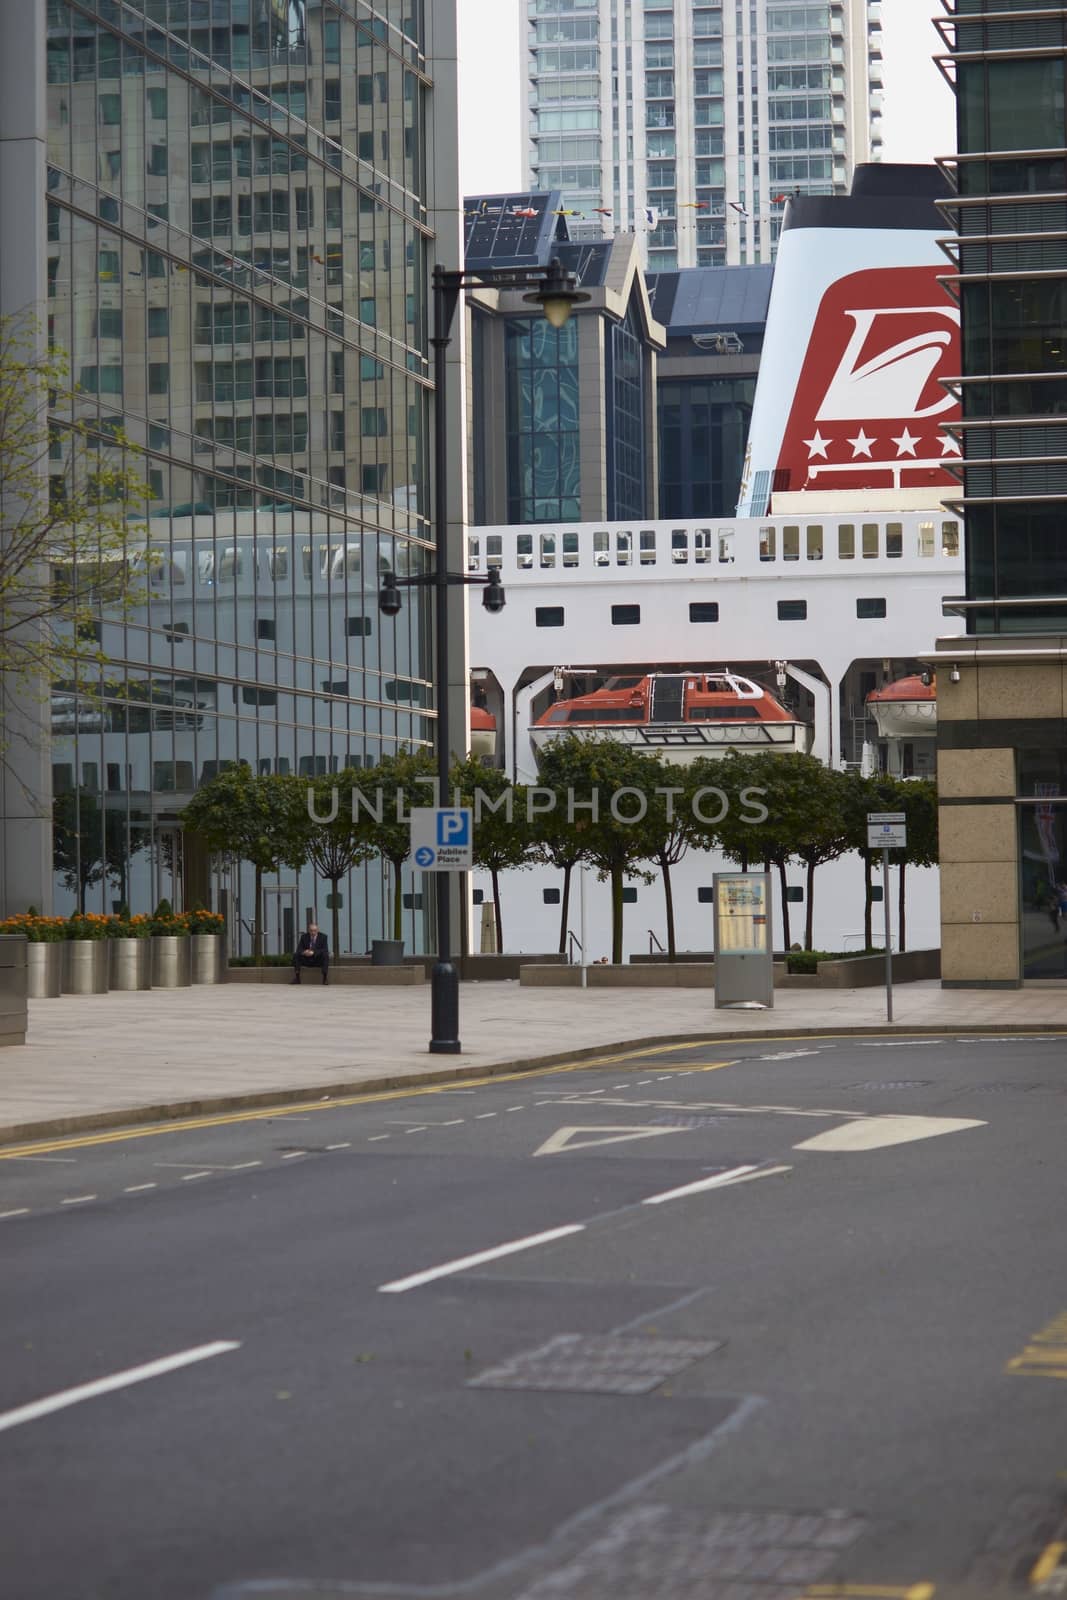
[{"x": 885, "y": 832}]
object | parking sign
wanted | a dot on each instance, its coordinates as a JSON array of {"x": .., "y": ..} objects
[{"x": 442, "y": 838}]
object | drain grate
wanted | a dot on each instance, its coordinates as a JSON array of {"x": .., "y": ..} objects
[
  {"x": 894, "y": 1083},
  {"x": 597, "y": 1364},
  {"x": 680, "y": 1120},
  {"x": 681, "y": 1554}
]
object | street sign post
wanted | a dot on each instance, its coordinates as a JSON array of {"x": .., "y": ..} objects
[
  {"x": 886, "y": 831},
  {"x": 442, "y": 838}
]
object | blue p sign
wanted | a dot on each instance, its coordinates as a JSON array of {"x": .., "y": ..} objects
[{"x": 453, "y": 828}]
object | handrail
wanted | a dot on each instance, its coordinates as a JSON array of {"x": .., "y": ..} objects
[
  {"x": 572, "y": 941},
  {"x": 653, "y": 940}
]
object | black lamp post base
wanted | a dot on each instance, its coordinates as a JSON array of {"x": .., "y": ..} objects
[{"x": 444, "y": 1010}]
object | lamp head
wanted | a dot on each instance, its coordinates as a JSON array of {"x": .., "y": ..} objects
[
  {"x": 557, "y": 294},
  {"x": 389, "y": 595},
  {"x": 493, "y": 598}
]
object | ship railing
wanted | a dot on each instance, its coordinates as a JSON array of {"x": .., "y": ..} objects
[
  {"x": 573, "y": 943},
  {"x": 653, "y": 940}
]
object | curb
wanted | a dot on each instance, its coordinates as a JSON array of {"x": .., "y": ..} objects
[{"x": 318, "y": 1095}]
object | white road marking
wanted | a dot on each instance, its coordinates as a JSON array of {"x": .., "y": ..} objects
[
  {"x": 77, "y": 1200},
  {"x": 482, "y": 1115},
  {"x": 910, "y": 1044},
  {"x": 346, "y": 1146},
  {"x": 137, "y": 1188},
  {"x": 292, "y": 1155},
  {"x": 594, "y": 1091},
  {"x": 665, "y": 1078},
  {"x": 454, "y": 1123},
  {"x": 788, "y": 1055},
  {"x": 376, "y": 1136},
  {"x": 402, "y": 1285},
  {"x": 118, "y": 1380},
  {"x": 244, "y": 1166},
  {"x": 566, "y": 1139},
  {"x": 642, "y": 1081},
  {"x": 614, "y": 1086},
  {"x": 735, "y": 1175},
  {"x": 421, "y": 1128},
  {"x": 189, "y": 1177},
  {"x": 516, "y": 1108},
  {"x": 23, "y": 1211},
  {"x": 192, "y": 1166},
  {"x": 876, "y": 1133},
  {"x": 59, "y": 1161}
]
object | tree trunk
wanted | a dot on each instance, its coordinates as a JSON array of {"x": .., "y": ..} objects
[
  {"x": 398, "y": 901},
  {"x": 336, "y": 950},
  {"x": 257, "y": 920},
  {"x": 668, "y": 898},
  {"x": 809, "y": 923},
  {"x": 616, "y": 916},
  {"x": 494, "y": 878},
  {"x": 566, "y": 911},
  {"x": 786, "y": 932},
  {"x": 868, "y": 902},
  {"x": 902, "y": 944}
]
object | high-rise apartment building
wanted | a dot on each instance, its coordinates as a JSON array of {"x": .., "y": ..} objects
[
  {"x": 225, "y": 212},
  {"x": 691, "y": 121}
]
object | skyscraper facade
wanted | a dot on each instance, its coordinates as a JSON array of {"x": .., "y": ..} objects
[
  {"x": 225, "y": 213},
  {"x": 691, "y": 121}
]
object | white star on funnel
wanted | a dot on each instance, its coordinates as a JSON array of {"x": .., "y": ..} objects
[
  {"x": 861, "y": 445},
  {"x": 818, "y": 445},
  {"x": 906, "y": 443},
  {"x": 949, "y": 445}
]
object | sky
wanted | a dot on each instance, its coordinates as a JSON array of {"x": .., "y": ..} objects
[{"x": 918, "y": 106}]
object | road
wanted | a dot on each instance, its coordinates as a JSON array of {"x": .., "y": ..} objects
[{"x": 680, "y": 1325}]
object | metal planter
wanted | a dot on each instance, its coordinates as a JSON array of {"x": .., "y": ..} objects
[
  {"x": 44, "y": 971},
  {"x": 85, "y": 964},
  {"x": 208, "y": 958},
  {"x": 171, "y": 968},
  {"x": 130, "y": 964}
]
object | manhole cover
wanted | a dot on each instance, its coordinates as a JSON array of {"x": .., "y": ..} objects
[
  {"x": 682, "y": 1554},
  {"x": 596, "y": 1364}
]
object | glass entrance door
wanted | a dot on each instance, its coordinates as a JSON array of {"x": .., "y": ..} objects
[{"x": 279, "y": 921}]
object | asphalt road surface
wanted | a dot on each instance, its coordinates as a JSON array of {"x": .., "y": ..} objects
[{"x": 693, "y": 1324}]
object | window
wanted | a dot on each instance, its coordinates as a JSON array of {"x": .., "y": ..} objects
[
  {"x": 870, "y": 608},
  {"x": 158, "y": 322},
  {"x": 548, "y": 617},
  {"x": 372, "y": 479},
  {"x": 157, "y": 104},
  {"x": 158, "y": 377},
  {"x": 625, "y": 616},
  {"x": 102, "y": 380},
  {"x": 331, "y": 100},
  {"x": 704, "y": 611},
  {"x": 358, "y": 627},
  {"x": 108, "y": 324},
  {"x": 706, "y": 894},
  {"x": 370, "y": 369},
  {"x": 478, "y": 896},
  {"x": 374, "y": 422},
  {"x": 107, "y": 266},
  {"x": 551, "y": 897},
  {"x": 266, "y": 628},
  {"x": 792, "y": 610},
  {"x": 253, "y": 696},
  {"x": 846, "y": 542},
  {"x": 894, "y": 539},
  {"x": 629, "y": 897},
  {"x": 157, "y": 161},
  {"x": 413, "y": 902},
  {"x": 870, "y": 541},
  {"x": 794, "y": 893},
  {"x": 110, "y": 110}
]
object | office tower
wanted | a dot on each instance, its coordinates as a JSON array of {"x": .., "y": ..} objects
[
  {"x": 223, "y": 211},
  {"x": 1000, "y": 729},
  {"x": 692, "y": 121}
]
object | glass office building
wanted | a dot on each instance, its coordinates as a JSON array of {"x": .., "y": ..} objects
[
  {"x": 238, "y": 240},
  {"x": 690, "y": 121}
]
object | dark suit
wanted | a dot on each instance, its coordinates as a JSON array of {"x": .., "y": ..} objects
[{"x": 320, "y": 955}]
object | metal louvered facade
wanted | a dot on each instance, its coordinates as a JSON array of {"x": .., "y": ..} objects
[{"x": 1007, "y": 59}]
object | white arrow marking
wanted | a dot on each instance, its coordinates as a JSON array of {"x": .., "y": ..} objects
[
  {"x": 875, "y": 1133},
  {"x": 119, "y": 1380},
  {"x": 789, "y": 1055},
  {"x": 605, "y": 1134}
]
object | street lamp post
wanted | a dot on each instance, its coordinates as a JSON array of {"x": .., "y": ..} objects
[{"x": 557, "y": 293}]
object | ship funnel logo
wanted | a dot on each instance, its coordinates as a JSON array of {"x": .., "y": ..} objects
[
  {"x": 870, "y": 409},
  {"x": 891, "y": 383}
]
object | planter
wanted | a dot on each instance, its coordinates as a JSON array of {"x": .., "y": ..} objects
[
  {"x": 130, "y": 964},
  {"x": 44, "y": 970},
  {"x": 387, "y": 953},
  {"x": 208, "y": 958},
  {"x": 85, "y": 963},
  {"x": 171, "y": 961}
]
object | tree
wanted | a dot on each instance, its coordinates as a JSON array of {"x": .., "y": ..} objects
[
  {"x": 91, "y": 842},
  {"x": 671, "y": 828},
  {"x": 503, "y": 838},
  {"x": 559, "y": 844},
  {"x": 917, "y": 799},
  {"x": 69, "y": 496},
  {"x": 334, "y": 847},
  {"x": 260, "y": 819},
  {"x": 740, "y": 833},
  {"x": 588, "y": 777},
  {"x": 860, "y": 797},
  {"x": 385, "y": 795}
]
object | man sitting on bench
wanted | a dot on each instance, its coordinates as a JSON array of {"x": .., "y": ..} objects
[{"x": 311, "y": 951}]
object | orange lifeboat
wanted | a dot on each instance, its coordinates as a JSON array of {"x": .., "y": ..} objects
[
  {"x": 483, "y": 732},
  {"x": 906, "y": 708},
  {"x": 679, "y": 715}
]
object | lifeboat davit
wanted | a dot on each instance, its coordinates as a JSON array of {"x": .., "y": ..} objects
[
  {"x": 483, "y": 732},
  {"x": 906, "y": 708},
  {"x": 679, "y": 716}
]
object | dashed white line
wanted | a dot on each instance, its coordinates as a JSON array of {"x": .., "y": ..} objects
[
  {"x": 735, "y": 1175},
  {"x": 60, "y": 1161},
  {"x": 516, "y": 1108},
  {"x": 244, "y": 1166},
  {"x": 454, "y": 1123},
  {"x": 23, "y": 1211},
  {"x": 402, "y": 1285},
  {"x": 119, "y": 1380},
  {"x": 483, "y": 1114},
  {"x": 376, "y": 1136},
  {"x": 188, "y": 1177},
  {"x": 618, "y": 1086},
  {"x": 77, "y": 1200},
  {"x": 346, "y": 1146},
  {"x": 292, "y": 1155},
  {"x": 137, "y": 1188},
  {"x": 421, "y": 1128},
  {"x": 665, "y": 1078},
  {"x": 642, "y": 1081}
]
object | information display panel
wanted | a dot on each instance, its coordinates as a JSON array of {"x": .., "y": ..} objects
[{"x": 744, "y": 944}]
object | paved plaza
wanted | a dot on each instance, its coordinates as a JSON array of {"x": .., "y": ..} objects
[{"x": 106, "y": 1059}]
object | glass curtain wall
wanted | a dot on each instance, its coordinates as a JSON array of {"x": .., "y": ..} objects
[
  {"x": 544, "y": 465},
  {"x": 236, "y": 266}
]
